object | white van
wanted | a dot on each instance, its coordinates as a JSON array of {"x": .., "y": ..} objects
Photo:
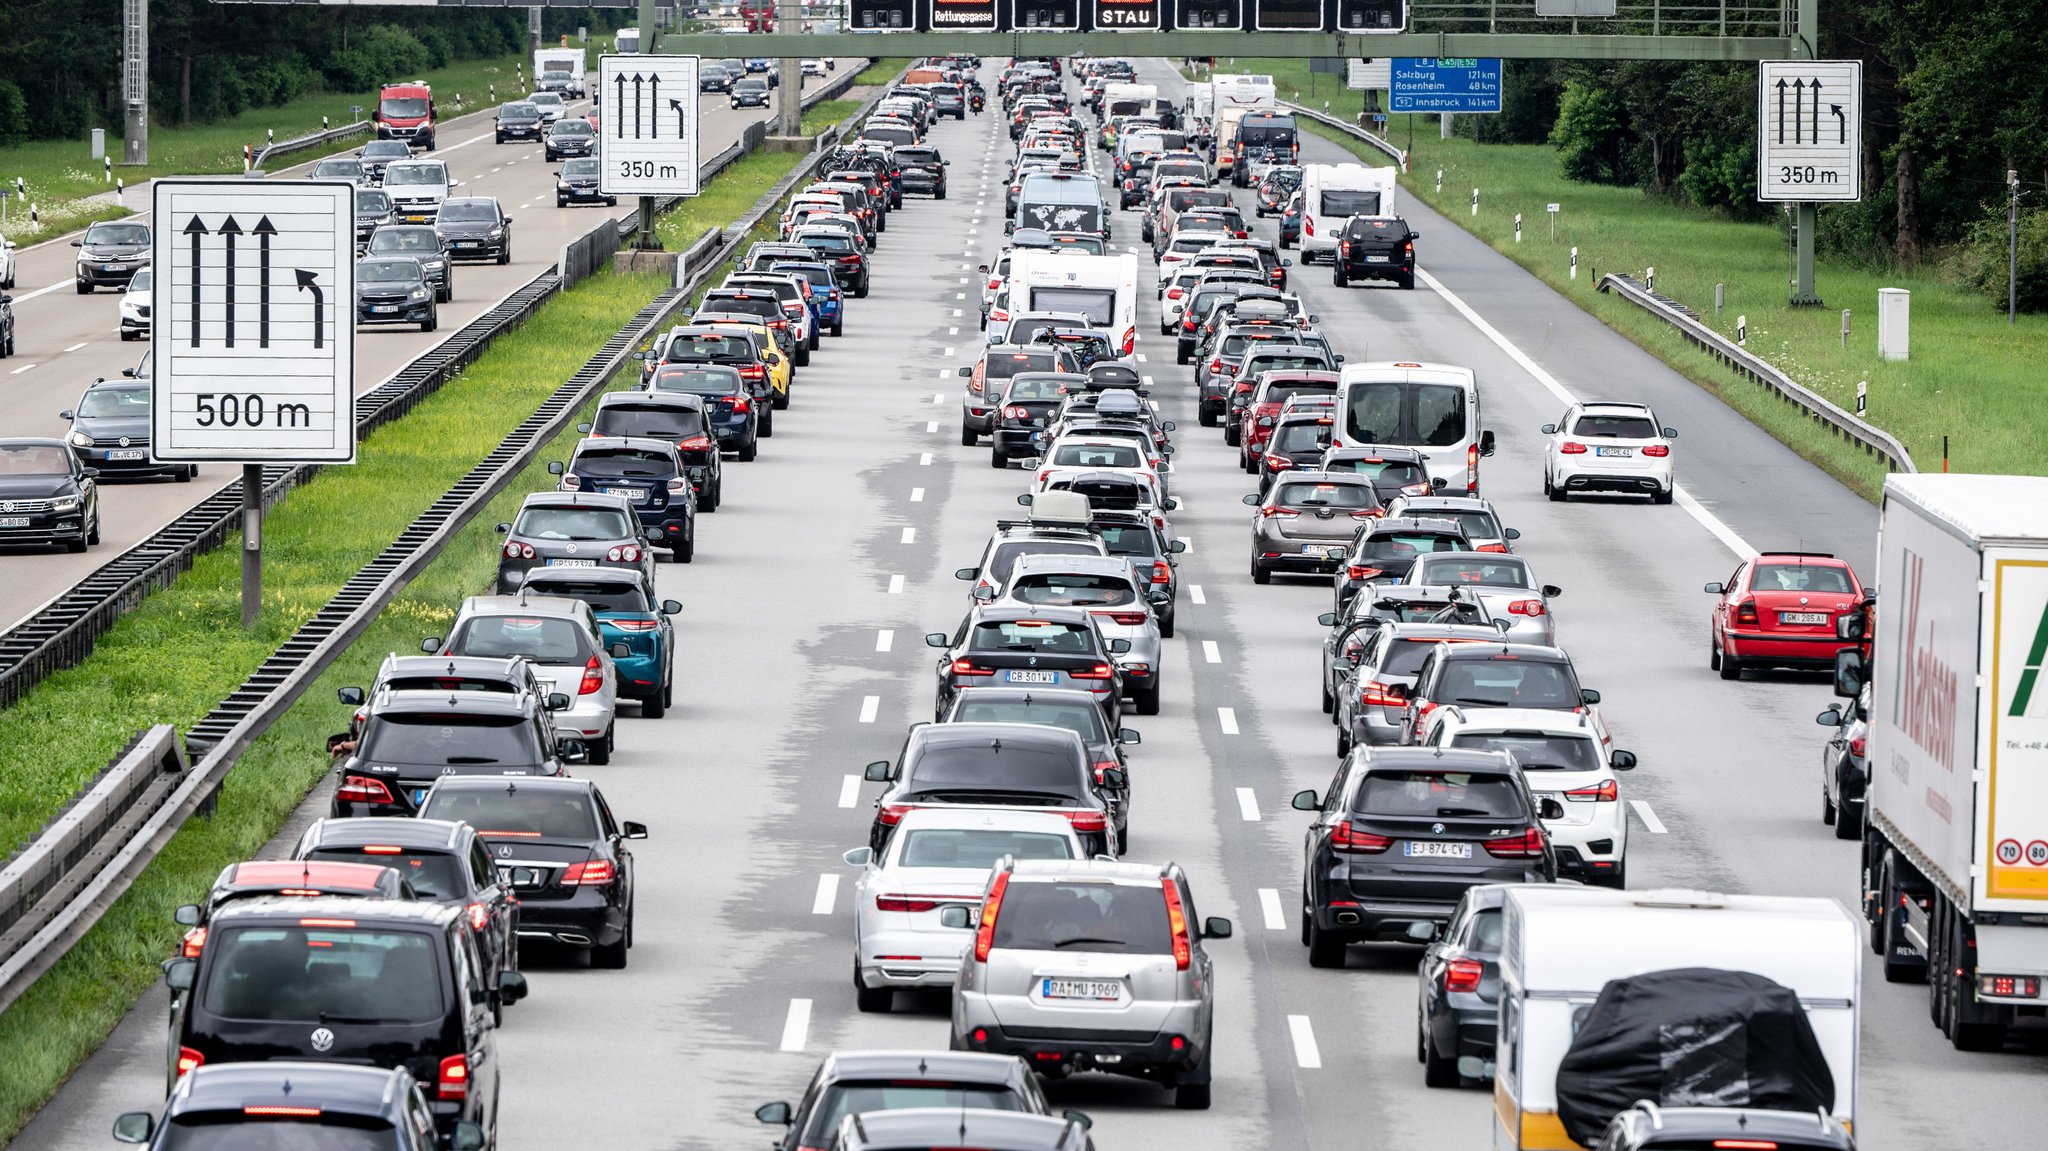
[
  {"x": 1433, "y": 408},
  {"x": 1332, "y": 194},
  {"x": 417, "y": 188},
  {"x": 1102, "y": 288},
  {"x": 1562, "y": 944}
]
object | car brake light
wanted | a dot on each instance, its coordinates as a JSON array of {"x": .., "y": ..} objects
[
  {"x": 1177, "y": 919},
  {"x": 590, "y": 873},
  {"x": 1161, "y": 572},
  {"x": 188, "y": 1059},
  {"x": 1605, "y": 791},
  {"x": 1375, "y": 693},
  {"x": 1283, "y": 513},
  {"x": 753, "y": 372},
  {"x": 1572, "y": 449},
  {"x": 1463, "y": 975},
  {"x": 1745, "y": 612},
  {"x": 1126, "y": 618},
  {"x": 1188, "y": 325},
  {"x": 193, "y": 943},
  {"x": 1216, "y": 365},
  {"x": 1745, "y": 1144},
  {"x": 1173, "y": 293},
  {"x": 904, "y": 903},
  {"x": 1491, "y": 548},
  {"x": 1343, "y": 247},
  {"x": 1656, "y": 451},
  {"x": 1349, "y": 839},
  {"x": 635, "y": 624},
  {"x": 1856, "y": 747},
  {"x": 454, "y": 1081},
  {"x": 984, "y": 936},
  {"x": 479, "y": 916},
  {"x": 593, "y": 676},
  {"x": 969, "y": 667},
  {"x": 1102, "y": 766},
  {"x": 1528, "y": 845},
  {"x": 1528, "y": 607},
  {"x": 695, "y": 443},
  {"x": 1099, "y": 671},
  {"x": 1277, "y": 463},
  {"x": 1086, "y": 819},
  {"x": 282, "y": 1112},
  {"x": 1356, "y": 572},
  {"x": 362, "y": 789}
]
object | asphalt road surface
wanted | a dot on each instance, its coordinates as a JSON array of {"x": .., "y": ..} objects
[{"x": 802, "y": 660}]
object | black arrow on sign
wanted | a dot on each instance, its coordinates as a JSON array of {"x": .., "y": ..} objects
[
  {"x": 1781, "y": 109},
  {"x": 309, "y": 282},
  {"x": 1841, "y": 123},
  {"x": 230, "y": 229},
  {"x": 678, "y": 106},
  {"x": 653, "y": 105},
  {"x": 621, "y": 106},
  {"x": 1816, "y": 109},
  {"x": 263, "y": 231},
  {"x": 1798, "y": 111},
  {"x": 195, "y": 229},
  {"x": 637, "y": 80}
]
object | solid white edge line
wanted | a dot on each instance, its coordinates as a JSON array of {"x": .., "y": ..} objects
[
  {"x": 828, "y": 893},
  {"x": 1248, "y": 804},
  {"x": 797, "y": 1027},
  {"x": 1306, "y": 1054},
  {"x": 1210, "y": 652},
  {"x": 1227, "y": 717},
  {"x": 1714, "y": 524},
  {"x": 1648, "y": 817},
  {"x": 849, "y": 790},
  {"x": 1269, "y": 905},
  {"x": 885, "y": 639},
  {"x": 870, "y": 707}
]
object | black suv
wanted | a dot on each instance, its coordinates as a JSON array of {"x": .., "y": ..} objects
[
  {"x": 1375, "y": 248},
  {"x": 1022, "y": 765},
  {"x": 349, "y": 1106},
  {"x": 924, "y": 170},
  {"x": 475, "y": 228},
  {"x": 1384, "y": 550},
  {"x": 559, "y": 851},
  {"x": 681, "y": 418},
  {"x": 374, "y": 982},
  {"x": 411, "y": 738},
  {"x": 47, "y": 496},
  {"x": 648, "y": 474},
  {"x": 443, "y": 862},
  {"x": 1400, "y": 836}
]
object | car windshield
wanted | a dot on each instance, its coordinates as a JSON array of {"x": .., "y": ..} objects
[
  {"x": 602, "y": 596},
  {"x": 433, "y": 874},
  {"x": 141, "y": 281},
  {"x": 1045, "y": 637},
  {"x": 1508, "y": 681},
  {"x": 336, "y": 971},
  {"x": 404, "y": 107},
  {"x": 116, "y": 403},
  {"x": 458, "y": 211},
  {"x": 584, "y": 167},
  {"x": 622, "y": 463},
  {"x": 545, "y": 100},
  {"x": 559, "y": 523},
  {"x": 977, "y": 847},
  {"x": 917, "y": 155},
  {"x": 519, "y": 111},
  {"x": 117, "y": 234},
  {"x": 387, "y": 150},
  {"x": 1435, "y": 795},
  {"x": 1097, "y": 456},
  {"x": 1612, "y": 427},
  {"x": 372, "y": 202},
  {"x": 653, "y": 420},
  {"x": 1067, "y": 589},
  {"x": 571, "y": 128},
  {"x": 752, "y": 86},
  {"x": 345, "y": 169},
  {"x": 1003, "y": 366},
  {"x": 855, "y": 1097},
  {"x": 388, "y": 272},
  {"x": 33, "y": 460},
  {"x": 405, "y": 240},
  {"x": 432, "y": 739},
  {"x": 533, "y": 813},
  {"x": 1800, "y": 577},
  {"x": 1535, "y": 751},
  {"x": 235, "y": 1131},
  {"x": 1316, "y": 495},
  {"x": 1473, "y": 568},
  {"x": 542, "y": 639},
  {"x": 415, "y": 174},
  {"x": 1080, "y": 916}
]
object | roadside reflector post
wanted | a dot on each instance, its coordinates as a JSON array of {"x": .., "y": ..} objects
[
  {"x": 1742, "y": 331},
  {"x": 1650, "y": 279},
  {"x": 1845, "y": 329},
  {"x": 1439, "y": 181},
  {"x": 1518, "y": 227},
  {"x": 1475, "y": 201},
  {"x": 1862, "y": 394},
  {"x": 1575, "y": 262},
  {"x": 1720, "y": 298}
]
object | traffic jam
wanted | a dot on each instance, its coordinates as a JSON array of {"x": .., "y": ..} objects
[{"x": 1141, "y": 307}]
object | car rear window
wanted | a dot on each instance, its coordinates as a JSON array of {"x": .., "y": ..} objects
[
  {"x": 1615, "y": 427},
  {"x": 1281, "y": 393},
  {"x": 435, "y": 740},
  {"x": 1073, "y": 589},
  {"x": 1001, "y": 366},
  {"x": 1097, "y": 456},
  {"x": 602, "y": 597},
  {"x": 854, "y": 1097},
  {"x": 836, "y": 245},
  {"x": 1083, "y": 719},
  {"x": 543, "y": 639},
  {"x": 1405, "y": 656},
  {"x": 1470, "y": 570},
  {"x": 235, "y": 1131},
  {"x": 1051, "y": 637},
  {"x": 1535, "y": 751},
  {"x": 317, "y": 973},
  {"x": 533, "y": 813},
  {"x": 657, "y": 421},
  {"x": 1406, "y": 545},
  {"x": 1128, "y": 540},
  {"x": 1800, "y": 577},
  {"x": 1386, "y": 474},
  {"x": 1508, "y": 681},
  {"x": 1283, "y": 361},
  {"x": 433, "y": 875},
  {"x": 1123, "y": 919},
  {"x": 1305, "y": 436},
  {"x": 978, "y": 847},
  {"x": 1435, "y": 795},
  {"x": 562, "y": 523},
  {"x": 623, "y": 463},
  {"x": 999, "y": 765},
  {"x": 699, "y": 381},
  {"x": 1036, "y": 390},
  {"x": 759, "y": 303},
  {"x": 1306, "y": 495},
  {"x": 708, "y": 346}
]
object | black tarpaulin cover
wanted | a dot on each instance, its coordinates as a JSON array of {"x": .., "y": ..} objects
[{"x": 1691, "y": 1037}]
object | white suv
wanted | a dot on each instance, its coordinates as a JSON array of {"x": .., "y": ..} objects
[
  {"x": 1609, "y": 447},
  {"x": 1561, "y": 756}
]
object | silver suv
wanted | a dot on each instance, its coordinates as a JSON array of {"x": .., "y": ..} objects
[
  {"x": 1108, "y": 588},
  {"x": 562, "y": 640},
  {"x": 1082, "y": 965}
]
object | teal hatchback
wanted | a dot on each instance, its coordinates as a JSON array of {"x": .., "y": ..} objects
[{"x": 627, "y": 613}]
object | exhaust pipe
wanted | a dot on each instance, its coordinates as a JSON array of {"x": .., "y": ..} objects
[
  {"x": 574, "y": 939},
  {"x": 1347, "y": 918}
]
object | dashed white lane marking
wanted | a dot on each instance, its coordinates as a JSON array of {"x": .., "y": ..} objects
[
  {"x": 948, "y": 353},
  {"x": 1147, "y": 380},
  {"x": 952, "y": 331},
  {"x": 798, "y": 1025},
  {"x": 964, "y": 267},
  {"x": 896, "y": 581},
  {"x": 828, "y": 894},
  {"x": 1141, "y": 357},
  {"x": 910, "y": 535},
  {"x": 925, "y": 460},
  {"x": 1227, "y": 718},
  {"x": 1195, "y": 594},
  {"x": 1269, "y": 904},
  {"x": 938, "y": 397},
  {"x": 1248, "y": 804},
  {"x": 956, "y": 313},
  {"x": 1714, "y": 524},
  {"x": 945, "y": 373},
  {"x": 1210, "y": 651},
  {"x": 917, "y": 495},
  {"x": 931, "y": 427},
  {"x": 74, "y": 347},
  {"x": 870, "y": 707},
  {"x": 849, "y": 791},
  {"x": 1306, "y": 1054},
  {"x": 1648, "y": 817},
  {"x": 21, "y": 369},
  {"x": 27, "y": 296},
  {"x": 885, "y": 639}
]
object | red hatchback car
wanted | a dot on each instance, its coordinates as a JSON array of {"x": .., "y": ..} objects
[{"x": 1778, "y": 610}]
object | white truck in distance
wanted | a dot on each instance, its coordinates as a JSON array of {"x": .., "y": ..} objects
[
  {"x": 566, "y": 60},
  {"x": 1955, "y": 844}
]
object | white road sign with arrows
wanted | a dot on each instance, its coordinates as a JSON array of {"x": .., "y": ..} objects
[
  {"x": 1809, "y": 120},
  {"x": 253, "y": 343},
  {"x": 647, "y": 125}
]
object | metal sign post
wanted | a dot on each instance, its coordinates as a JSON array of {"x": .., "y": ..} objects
[{"x": 253, "y": 347}]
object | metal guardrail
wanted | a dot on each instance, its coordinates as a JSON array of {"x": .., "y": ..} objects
[
  {"x": 313, "y": 140},
  {"x": 1872, "y": 439},
  {"x": 1354, "y": 131}
]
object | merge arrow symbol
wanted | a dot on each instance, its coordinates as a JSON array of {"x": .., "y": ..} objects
[
  {"x": 1841, "y": 123},
  {"x": 678, "y": 106},
  {"x": 309, "y": 281},
  {"x": 196, "y": 229}
]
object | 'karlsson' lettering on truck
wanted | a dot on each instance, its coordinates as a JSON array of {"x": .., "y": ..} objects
[{"x": 1924, "y": 702}]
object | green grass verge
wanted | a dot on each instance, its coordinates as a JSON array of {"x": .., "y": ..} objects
[
  {"x": 1971, "y": 377},
  {"x": 826, "y": 113},
  {"x": 883, "y": 71},
  {"x": 62, "y": 175},
  {"x": 184, "y": 648}
]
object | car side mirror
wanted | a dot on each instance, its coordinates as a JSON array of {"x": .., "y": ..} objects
[
  {"x": 1589, "y": 696},
  {"x": 511, "y": 987},
  {"x": 1849, "y": 673},
  {"x": 1119, "y": 646},
  {"x": 352, "y": 696},
  {"x": 1398, "y": 692},
  {"x": 1425, "y": 931},
  {"x": 66, "y": 414},
  {"x": 558, "y": 701},
  {"x": 1327, "y": 619},
  {"x": 584, "y": 427},
  {"x": 937, "y": 639},
  {"x": 1551, "y": 591},
  {"x": 1438, "y": 483},
  {"x": 186, "y": 915},
  {"x": 859, "y": 857},
  {"x": 132, "y": 1126},
  {"x": 1315, "y": 319},
  {"x": 555, "y": 468},
  {"x": 957, "y": 916},
  {"x": 1169, "y": 504},
  {"x": 1669, "y": 433},
  {"x": 1548, "y": 429},
  {"x": 982, "y": 268},
  {"x": 1510, "y": 534},
  {"x": 1177, "y": 546},
  {"x": 984, "y": 594},
  {"x": 1849, "y": 627},
  {"x": 1129, "y": 735},
  {"x": 467, "y": 1136},
  {"x": 1549, "y": 809},
  {"x": 507, "y": 220},
  {"x": 1306, "y": 801},
  {"x": 671, "y": 607},
  {"x": 431, "y": 644},
  {"x": 1486, "y": 443},
  {"x": 1115, "y": 777},
  {"x": 502, "y": 529},
  {"x": 78, "y": 243},
  {"x": 876, "y": 772},
  {"x": 572, "y": 750},
  {"x": 1715, "y": 588},
  {"x": 966, "y": 372},
  {"x": 178, "y": 973},
  {"x": 773, "y": 1113},
  {"x": 1216, "y": 927},
  {"x": 1249, "y": 499},
  {"x": 620, "y": 651},
  {"x": 1622, "y": 760}
]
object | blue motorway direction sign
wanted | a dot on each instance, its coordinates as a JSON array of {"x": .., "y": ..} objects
[{"x": 1430, "y": 84}]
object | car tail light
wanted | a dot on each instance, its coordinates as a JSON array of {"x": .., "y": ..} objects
[
  {"x": 1177, "y": 919},
  {"x": 910, "y": 903},
  {"x": 1173, "y": 293},
  {"x": 1350, "y": 840},
  {"x": 1353, "y": 648},
  {"x": 1216, "y": 365},
  {"x": 571, "y": 482},
  {"x": 1856, "y": 747},
  {"x": 363, "y": 789},
  {"x": 1605, "y": 791},
  {"x": 1343, "y": 247},
  {"x": 740, "y": 406},
  {"x": 1528, "y": 607},
  {"x": 1491, "y": 548},
  {"x": 1086, "y": 819},
  {"x": 1126, "y": 618},
  {"x": 1472, "y": 467},
  {"x": 624, "y": 553},
  {"x": 1572, "y": 449},
  {"x": 1528, "y": 845},
  {"x": 454, "y": 1081},
  {"x": 635, "y": 624},
  {"x": 1356, "y": 572},
  {"x": 969, "y": 667},
  {"x": 754, "y": 372},
  {"x": 1463, "y": 975},
  {"x": 593, "y": 676},
  {"x": 1656, "y": 451},
  {"x": 984, "y": 936},
  {"x": 1745, "y": 612},
  {"x": 1013, "y": 412},
  {"x": 479, "y": 916},
  {"x": 1099, "y": 671},
  {"x": 188, "y": 1059},
  {"x": 590, "y": 873},
  {"x": 1130, "y": 343},
  {"x": 1102, "y": 766},
  {"x": 1161, "y": 572},
  {"x": 1188, "y": 325},
  {"x": 1282, "y": 513},
  {"x": 1377, "y": 694},
  {"x": 1369, "y": 513},
  {"x": 695, "y": 443},
  {"x": 193, "y": 943},
  {"x": 516, "y": 550},
  {"x": 850, "y": 259},
  {"x": 678, "y": 484},
  {"x": 1276, "y": 462}
]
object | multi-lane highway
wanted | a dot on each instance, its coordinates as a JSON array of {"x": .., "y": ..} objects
[
  {"x": 65, "y": 341},
  {"x": 802, "y": 661}
]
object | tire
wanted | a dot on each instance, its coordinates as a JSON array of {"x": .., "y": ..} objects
[
  {"x": 1205, "y": 417},
  {"x": 446, "y": 294},
  {"x": 1731, "y": 668},
  {"x": 717, "y": 497},
  {"x": 428, "y": 324},
  {"x": 76, "y": 546},
  {"x": 1166, "y": 625},
  {"x": 126, "y": 336},
  {"x": 92, "y": 535},
  {"x": 1554, "y": 491},
  {"x": 1827, "y": 811},
  {"x": 1848, "y": 822},
  {"x": 871, "y": 1000},
  {"x": 861, "y": 293},
  {"x": 84, "y": 288},
  {"x": 1437, "y": 1070},
  {"x": 1260, "y": 575},
  {"x": 655, "y": 706},
  {"x": 1323, "y": 950},
  {"x": 611, "y": 956},
  {"x": 560, "y": 202},
  {"x": 1407, "y": 281},
  {"x": 1713, "y": 656},
  {"x": 750, "y": 449},
  {"x": 997, "y": 458},
  {"x": 1146, "y": 702},
  {"x": 968, "y": 436},
  {"x": 1180, "y": 357},
  {"x": 768, "y": 424},
  {"x": 1343, "y": 741},
  {"x": 505, "y": 255},
  {"x": 838, "y": 328},
  {"x": 1191, "y": 1096},
  {"x": 1663, "y": 497},
  {"x": 1233, "y": 433},
  {"x": 1329, "y": 701},
  {"x": 687, "y": 550},
  {"x": 779, "y": 400},
  {"x": 802, "y": 354},
  {"x": 1337, "y": 277},
  {"x": 187, "y": 474},
  {"x": 939, "y": 195}
]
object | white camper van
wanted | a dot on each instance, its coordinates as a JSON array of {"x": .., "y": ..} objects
[{"x": 1332, "y": 194}]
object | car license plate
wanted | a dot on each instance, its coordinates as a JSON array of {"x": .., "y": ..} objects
[
  {"x": 1328, "y": 553},
  {"x": 110, "y": 267},
  {"x": 1439, "y": 850},
  {"x": 467, "y": 244},
  {"x": 569, "y": 563},
  {"x": 634, "y": 494},
  {"x": 525, "y": 878},
  {"x": 1034, "y": 677},
  {"x": 383, "y": 309},
  {"x": 13, "y": 521},
  {"x": 1802, "y": 617},
  {"x": 1100, "y": 990},
  {"x": 131, "y": 454},
  {"x": 1617, "y": 451},
  {"x": 1379, "y": 259},
  {"x": 418, "y": 794}
]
